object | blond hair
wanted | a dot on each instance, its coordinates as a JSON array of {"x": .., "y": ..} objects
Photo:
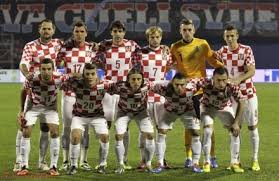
[{"x": 152, "y": 30}]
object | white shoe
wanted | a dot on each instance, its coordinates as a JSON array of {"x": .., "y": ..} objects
[
  {"x": 17, "y": 167},
  {"x": 43, "y": 166},
  {"x": 120, "y": 169}
]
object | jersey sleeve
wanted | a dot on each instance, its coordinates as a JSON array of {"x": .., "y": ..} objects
[
  {"x": 26, "y": 57},
  {"x": 250, "y": 59},
  {"x": 211, "y": 56}
]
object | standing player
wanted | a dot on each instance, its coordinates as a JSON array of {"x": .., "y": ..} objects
[
  {"x": 190, "y": 55},
  {"x": 155, "y": 61},
  {"x": 74, "y": 54},
  {"x": 117, "y": 56},
  {"x": 178, "y": 104},
  {"x": 240, "y": 62},
  {"x": 88, "y": 111},
  {"x": 216, "y": 102},
  {"x": 33, "y": 53},
  {"x": 44, "y": 88},
  {"x": 133, "y": 105}
]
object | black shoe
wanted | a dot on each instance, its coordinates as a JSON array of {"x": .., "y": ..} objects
[{"x": 72, "y": 170}]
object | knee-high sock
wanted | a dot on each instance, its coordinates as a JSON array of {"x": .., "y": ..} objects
[
  {"x": 207, "y": 132},
  {"x": 149, "y": 148},
  {"x": 196, "y": 149},
  {"x": 75, "y": 151},
  {"x": 255, "y": 140},
  {"x": 126, "y": 142},
  {"x": 25, "y": 150},
  {"x": 161, "y": 148},
  {"x": 142, "y": 147},
  {"x": 44, "y": 142},
  {"x": 120, "y": 150},
  {"x": 18, "y": 141},
  {"x": 188, "y": 140},
  {"x": 103, "y": 152},
  {"x": 235, "y": 146},
  {"x": 66, "y": 142},
  {"x": 54, "y": 151},
  {"x": 84, "y": 145}
]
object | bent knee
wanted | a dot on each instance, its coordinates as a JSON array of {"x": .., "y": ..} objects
[
  {"x": 104, "y": 138},
  {"x": 119, "y": 137},
  {"x": 251, "y": 128}
]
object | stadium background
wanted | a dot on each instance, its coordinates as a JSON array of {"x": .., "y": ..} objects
[{"x": 256, "y": 20}]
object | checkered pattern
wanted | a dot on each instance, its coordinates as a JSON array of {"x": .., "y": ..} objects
[
  {"x": 130, "y": 102},
  {"x": 178, "y": 104},
  {"x": 35, "y": 51},
  {"x": 45, "y": 93},
  {"x": 154, "y": 64},
  {"x": 88, "y": 99},
  {"x": 216, "y": 98},
  {"x": 236, "y": 63},
  {"x": 75, "y": 58},
  {"x": 118, "y": 60}
]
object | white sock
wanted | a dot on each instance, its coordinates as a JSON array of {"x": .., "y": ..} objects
[
  {"x": 141, "y": 147},
  {"x": 75, "y": 151},
  {"x": 207, "y": 133},
  {"x": 103, "y": 150},
  {"x": 161, "y": 148},
  {"x": 126, "y": 142},
  {"x": 54, "y": 151},
  {"x": 150, "y": 148},
  {"x": 84, "y": 145},
  {"x": 66, "y": 143},
  {"x": 18, "y": 140},
  {"x": 196, "y": 149},
  {"x": 25, "y": 150},
  {"x": 120, "y": 150},
  {"x": 235, "y": 146},
  {"x": 255, "y": 140},
  {"x": 44, "y": 142}
]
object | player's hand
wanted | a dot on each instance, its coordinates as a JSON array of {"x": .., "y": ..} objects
[
  {"x": 77, "y": 75},
  {"x": 234, "y": 81},
  {"x": 29, "y": 76},
  {"x": 217, "y": 57},
  {"x": 20, "y": 119},
  {"x": 235, "y": 129},
  {"x": 166, "y": 49},
  {"x": 94, "y": 45},
  {"x": 109, "y": 124}
]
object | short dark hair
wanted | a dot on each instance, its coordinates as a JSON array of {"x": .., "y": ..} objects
[
  {"x": 47, "y": 21},
  {"x": 186, "y": 22},
  {"x": 117, "y": 24},
  {"x": 90, "y": 66},
  {"x": 47, "y": 61},
  {"x": 230, "y": 27},
  {"x": 80, "y": 24},
  {"x": 170, "y": 89},
  {"x": 179, "y": 75},
  {"x": 220, "y": 71}
]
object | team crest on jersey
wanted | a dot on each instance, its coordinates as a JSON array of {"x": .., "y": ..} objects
[
  {"x": 240, "y": 56},
  {"x": 88, "y": 53},
  {"x": 128, "y": 48},
  {"x": 56, "y": 48}
]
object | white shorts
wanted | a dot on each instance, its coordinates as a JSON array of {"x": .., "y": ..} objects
[
  {"x": 46, "y": 115},
  {"x": 166, "y": 119},
  {"x": 250, "y": 113},
  {"x": 99, "y": 124},
  {"x": 152, "y": 110},
  {"x": 209, "y": 113},
  {"x": 110, "y": 106},
  {"x": 143, "y": 121},
  {"x": 67, "y": 109}
]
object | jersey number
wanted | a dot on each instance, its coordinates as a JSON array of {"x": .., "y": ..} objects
[
  {"x": 117, "y": 64},
  {"x": 88, "y": 105},
  {"x": 77, "y": 68},
  {"x": 155, "y": 71}
]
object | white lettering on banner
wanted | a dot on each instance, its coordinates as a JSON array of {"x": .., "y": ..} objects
[{"x": 259, "y": 17}]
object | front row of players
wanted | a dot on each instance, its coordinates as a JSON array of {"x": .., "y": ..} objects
[{"x": 88, "y": 111}]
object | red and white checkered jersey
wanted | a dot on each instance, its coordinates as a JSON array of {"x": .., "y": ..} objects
[
  {"x": 45, "y": 93},
  {"x": 35, "y": 51},
  {"x": 88, "y": 99},
  {"x": 216, "y": 98},
  {"x": 176, "y": 103},
  {"x": 236, "y": 62},
  {"x": 118, "y": 60},
  {"x": 75, "y": 58},
  {"x": 154, "y": 64},
  {"x": 130, "y": 102}
]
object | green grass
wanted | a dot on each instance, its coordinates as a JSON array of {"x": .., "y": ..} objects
[{"x": 268, "y": 156}]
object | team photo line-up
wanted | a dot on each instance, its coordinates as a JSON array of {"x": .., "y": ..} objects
[{"x": 134, "y": 87}]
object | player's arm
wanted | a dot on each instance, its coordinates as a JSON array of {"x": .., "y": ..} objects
[
  {"x": 174, "y": 57},
  {"x": 212, "y": 57},
  {"x": 26, "y": 58},
  {"x": 250, "y": 73},
  {"x": 236, "y": 123}
]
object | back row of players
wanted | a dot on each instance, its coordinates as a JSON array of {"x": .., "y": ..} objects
[{"x": 134, "y": 93}]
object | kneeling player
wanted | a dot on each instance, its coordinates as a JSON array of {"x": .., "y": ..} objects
[{"x": 216, "y": 102}]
